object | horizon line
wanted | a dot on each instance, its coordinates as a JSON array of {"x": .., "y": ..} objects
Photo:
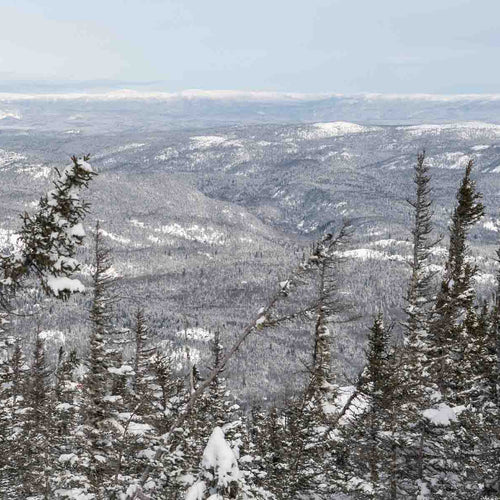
[{"x": 244, "y": 95}]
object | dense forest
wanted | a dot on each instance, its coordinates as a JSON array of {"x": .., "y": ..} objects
[{"x": 420, "y": 421}]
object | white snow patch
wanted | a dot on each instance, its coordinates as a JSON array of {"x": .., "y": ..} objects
[
  {"x": 261, "y": 321},
  {"x": 424, "y": 491},
  {"x": 7, "y": 158},
  {"x": 219, "y": 457},
  {"x": 368, "y": 254},
  {"x": 62, "y": 284},
  {"x": 442, "y": 414},
  {"x": 451, "y": 160},
  {"x": 357, "y": 406},
  {"x": 197, "y": 491},
  {"x": 74, "y": 494},
  {"x": 194, "y": 233},
  {"x": 111, "y": 399},
  {"x": 139, "y": 429},
  {"x": 195, "y": 334},
  {"x": 491, "y": 225},
  {"x": 332, "y": 129},
  {"x": 465, "y": 130},
  {"x": 53, "y": 335},
  {"x": 126, "y": 147},
  {"x": 179, "y": 355},
  {"x": 154, "y": 239},
  {"x": 389, "y": 243},
  {"x": 136, "y": 223},
  {"x": 10, "y": 114},
  {"x": 114, "y": 237},
  {"x": 9, "y": 238},
  {"x": 207, "y": 141},
  {"x": 122, "y": 370},
  {"x": 67, "y": 457},
  {"x": 40, "y": 172},
  {"x": 148, "y": 453},
  {"x": 64, "y": 406},
  {"x": 167, "y": 154}
]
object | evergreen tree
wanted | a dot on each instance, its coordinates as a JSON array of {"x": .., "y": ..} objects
[
  {"x": 419, "y": 294},
  {"x": 214, "y": 408},
  {"x": 415, "y": 384},
  {"x": 138, "y": 436},
  {"x": 328, "y": 305},
  {"x": 36, "y": 454},
  {"x": 370, "y": 433},
  {"x": 456, "y": 297},
  {"x": 12, "y": 389},
  {"x": 272, "y": 443},
  {"x": 217, "y": 389},
  {"x": 99, "y": 405},
  {"x": 143, "y": 354},
  {"x": 220, "y": 477},
  {"x": 167, "y": 390},
  {"x": 66, "y": 390},
  {"x": 101, "y": 317},
  {"x": 453, "y": 341},
  {"x": 482, "y": 417},
  {"x": 46, "y": 250},
  {"x": 67, "y": 479},
  {"x": 48, "y": 240}
]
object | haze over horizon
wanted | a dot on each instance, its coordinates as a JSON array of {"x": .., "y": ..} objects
[
  {"x": 21, "y": 89},
  {"x": 324, "y": 46}
]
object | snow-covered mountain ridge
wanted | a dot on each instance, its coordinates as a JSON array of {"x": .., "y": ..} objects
[{"x": 158, "y": 109}]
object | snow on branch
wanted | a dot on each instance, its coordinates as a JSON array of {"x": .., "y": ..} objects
[{"x": 49, "y": 238}]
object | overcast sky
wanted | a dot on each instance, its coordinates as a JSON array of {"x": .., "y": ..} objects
[{"x": 434, "y": 46}]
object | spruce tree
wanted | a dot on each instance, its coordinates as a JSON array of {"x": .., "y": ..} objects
[
  {"x": 49, "y": 239},
  {"x": 139, "y": 436},
  {"x": 65, "y": 390},
  {"x": 454, "y": 333},
  {"x": 167, "y": 389},
  {"x": 456, "y": 296},
  {"x": 419, "y": 294},
  {"x": 272, "y": 442},
  {"x": 101, "y": 317},
  {"x": 372, "y": 446},
  {"x": 67, "y": 478},
  {"x": 99, "y": 405},
  {"x": 143, "y": 355},
  {"x": 219, "y": 477},
  {"x": 37, "y": 441},
  {"x": 415, "y": 384},
  {"x": 46, "y": 250},
  {"x": 483, "y": 415},
  {"x": 326, "y": 262},
  {"x": 12, "y": 390}
]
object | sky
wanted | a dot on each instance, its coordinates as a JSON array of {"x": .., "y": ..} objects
[{"x": 388, "y": 46}]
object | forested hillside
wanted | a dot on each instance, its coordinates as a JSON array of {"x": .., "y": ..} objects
[
  {"x": 203, "y": 222},
  {"x": 128, "y": 414}
]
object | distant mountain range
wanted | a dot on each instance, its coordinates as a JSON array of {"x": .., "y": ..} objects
[{"x": 202, "y": 107}]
